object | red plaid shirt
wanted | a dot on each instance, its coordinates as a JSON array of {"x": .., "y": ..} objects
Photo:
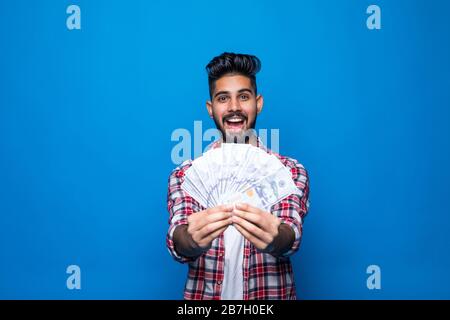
[{"x": 265, "y": 276}]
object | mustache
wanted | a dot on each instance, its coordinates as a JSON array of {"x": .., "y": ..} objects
[{"x": 235, "y": 114}]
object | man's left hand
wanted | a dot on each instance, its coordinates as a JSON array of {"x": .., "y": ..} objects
[{"x": 260, "y": 227}]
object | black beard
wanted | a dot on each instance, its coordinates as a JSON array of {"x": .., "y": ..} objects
[{"x": 243, "y": 137}]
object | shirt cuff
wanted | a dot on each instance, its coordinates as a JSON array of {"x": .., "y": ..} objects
[
  {"x": 297, "y": 228},
  {"x": 171, "y": 245}
]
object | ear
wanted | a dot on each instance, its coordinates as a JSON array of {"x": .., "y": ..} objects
[
  {"x": 259, "y": 103},
  {"x": 209, "y": 108}
]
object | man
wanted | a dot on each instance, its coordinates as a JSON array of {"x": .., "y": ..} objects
[{"x": 236, "y": 252}]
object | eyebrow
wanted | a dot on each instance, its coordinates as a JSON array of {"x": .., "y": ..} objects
[{"x": 239, "y": 91}]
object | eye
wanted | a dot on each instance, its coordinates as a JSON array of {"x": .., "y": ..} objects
[
  {"x": 244, "y": 97},
  {"x": 222, "y": 98}
]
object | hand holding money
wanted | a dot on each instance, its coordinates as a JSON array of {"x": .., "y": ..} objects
[
  {"x": 195, "y": 237},
  {"x": 260, "y": 227},
  {"x": 204, "y": 226},
  {"x": 239, "y": 173}
]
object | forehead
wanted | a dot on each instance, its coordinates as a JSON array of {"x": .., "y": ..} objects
[{"x": 233, "y": 83}]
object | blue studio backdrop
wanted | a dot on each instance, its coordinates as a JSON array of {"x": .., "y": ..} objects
[{"x": 92, "y": 99}]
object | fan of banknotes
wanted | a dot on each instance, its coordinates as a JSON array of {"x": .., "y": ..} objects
[{"x": 238, "y": 173}]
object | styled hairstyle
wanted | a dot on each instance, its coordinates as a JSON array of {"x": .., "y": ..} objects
[{"x": 232, "y": 64}]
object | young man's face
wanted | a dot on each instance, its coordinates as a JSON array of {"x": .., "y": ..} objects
[{"x": 234, "y": 106}]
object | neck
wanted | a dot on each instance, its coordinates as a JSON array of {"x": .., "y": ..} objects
[{"x": 252, "y": 139}]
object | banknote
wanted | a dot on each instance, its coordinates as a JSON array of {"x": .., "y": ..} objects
[{"x": 238, "y": 173}]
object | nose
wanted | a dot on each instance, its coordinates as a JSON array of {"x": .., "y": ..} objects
[{"x": 234, "y": 105}]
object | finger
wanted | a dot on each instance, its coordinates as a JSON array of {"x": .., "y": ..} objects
[
  {"x": 207, "y": 218},
  {"x": 256, "y": 242},
  {"x": 210, "y": 218},
  {"x": 253, "y": 229},
  {"x": 221, "y": 208},
  {"x": 212, "y": 227},
  {"x": 247, "y": 207},
  {"x": 215, "y": 234},
  {"x": 254, "y": 218}
]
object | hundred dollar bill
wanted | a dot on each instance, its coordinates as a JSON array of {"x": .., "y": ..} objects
[{"x": 268, "y": 191}]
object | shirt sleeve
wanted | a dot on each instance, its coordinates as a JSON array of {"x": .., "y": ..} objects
[
  {"x": 180, "y": 205},
  {"x": 293, "y": 209}
]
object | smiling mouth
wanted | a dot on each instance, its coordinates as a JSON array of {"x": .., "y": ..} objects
[{"x": 235, "y": 123}]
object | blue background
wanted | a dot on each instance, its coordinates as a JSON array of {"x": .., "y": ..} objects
[{"x": 86, "y": 118}]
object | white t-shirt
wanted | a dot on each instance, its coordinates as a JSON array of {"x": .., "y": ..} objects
[{"x": 232, "y": 285}]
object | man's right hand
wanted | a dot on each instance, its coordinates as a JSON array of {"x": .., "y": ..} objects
[{"x": 202, "y": 228}]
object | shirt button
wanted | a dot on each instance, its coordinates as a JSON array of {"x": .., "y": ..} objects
[
  {"x": 220, "y": 254},
  {"x": 219, "y": 282}
]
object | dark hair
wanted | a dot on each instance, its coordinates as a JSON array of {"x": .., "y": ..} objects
[{"x": 234, "y": 64}]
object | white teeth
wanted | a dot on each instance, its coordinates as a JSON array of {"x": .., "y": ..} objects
[{"x": 235, "y": 120}]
